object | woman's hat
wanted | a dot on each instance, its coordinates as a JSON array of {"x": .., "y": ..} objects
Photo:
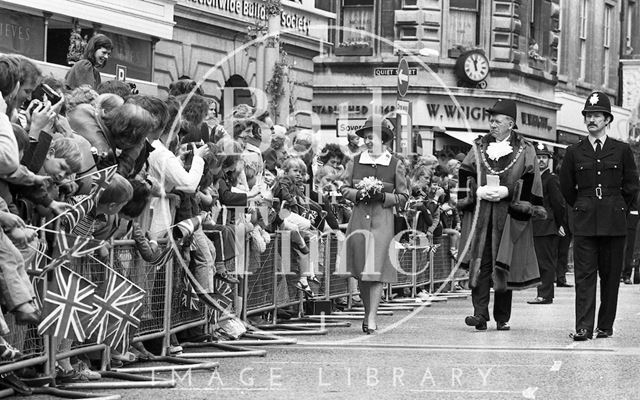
[{"x": 377, "y": 123}]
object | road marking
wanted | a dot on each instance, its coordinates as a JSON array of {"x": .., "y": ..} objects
[
  {"x": 556, "y": 366},
  {"x": 528, "y": 393},
  {"x": 297, "y": 362},
  {"x": 392, "y": 347}
]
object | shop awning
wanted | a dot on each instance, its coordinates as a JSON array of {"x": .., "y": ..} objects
[
  {"x": 469, "y": 137},
  {"x": 547, "y": 143},
  {"x": 463, "y": 136}
]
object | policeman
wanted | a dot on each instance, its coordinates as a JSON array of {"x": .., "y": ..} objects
[
  {"x": 599, "y": 181},
  {"x": 547, "y": 232}
]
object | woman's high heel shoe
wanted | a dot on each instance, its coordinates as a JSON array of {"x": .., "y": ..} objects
[
  {"x": 365, "y": 327},
  {"x": 370, "y": 331}
]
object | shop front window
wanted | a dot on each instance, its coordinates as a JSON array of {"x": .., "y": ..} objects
[{"x": 131, "y": 52}]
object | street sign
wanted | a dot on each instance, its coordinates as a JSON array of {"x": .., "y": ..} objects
[
  {"x": 392, "y": 71},
  {"x": 403, "y": 106},
  {"x": 344, "y": 125},
  {"x": 404, "y": 126},
  {"x": 403, "y": 77},
  {"x": 121, "y": 72}
]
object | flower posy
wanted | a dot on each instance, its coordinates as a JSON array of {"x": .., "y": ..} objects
[{"x": 370, "y": 185}]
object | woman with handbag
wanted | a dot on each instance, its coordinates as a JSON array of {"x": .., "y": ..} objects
[{"x": 375, "y": 181}]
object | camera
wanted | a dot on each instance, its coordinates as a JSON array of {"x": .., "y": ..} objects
[
  {"x": 43, "y": 89},
  {"x": 133, "y": 87}
]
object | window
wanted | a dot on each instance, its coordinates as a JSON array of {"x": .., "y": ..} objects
[
  {"x": 408, "y": 33},
  {"x": 463, "y": 23},
  {"x": 606, "y": 69},
  {"x": 584, "y": 4},
  {"x": 409, "y": 3},
  {"x": 357, "y": 15}
]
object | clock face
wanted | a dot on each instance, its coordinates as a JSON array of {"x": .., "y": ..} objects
[{"x": 476, "y": 67}]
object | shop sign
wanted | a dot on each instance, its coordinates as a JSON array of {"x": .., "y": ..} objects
[
  {"x": 22, "y": 34},
  {"x": 347, "y": 108},
  {"x": 289, "y": 18},
  {"x": 532, "y": 120},
  {"x": 344, "y": 126}
]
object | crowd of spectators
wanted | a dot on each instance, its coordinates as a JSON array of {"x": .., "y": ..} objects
[{"x": 176, "y": 159}]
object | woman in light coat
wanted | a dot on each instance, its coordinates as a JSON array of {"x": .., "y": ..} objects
[{"x": 369, "y": 245}]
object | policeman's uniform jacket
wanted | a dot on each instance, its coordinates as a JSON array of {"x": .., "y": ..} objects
[
  {"x": 553, "y": 203},
  {"x": 599, "y": 188}
]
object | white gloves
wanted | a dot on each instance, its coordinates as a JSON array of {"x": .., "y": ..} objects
[{"x": 492, "y": 193}]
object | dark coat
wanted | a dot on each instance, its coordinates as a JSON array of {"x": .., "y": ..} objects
[
  {"x": 553, "y": 203},
  {"x": 600, "y": 189},
  {"x": 522, "y": 264}
]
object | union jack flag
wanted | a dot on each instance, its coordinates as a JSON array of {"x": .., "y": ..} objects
[
  {"x": 80, "y": 248},
  {"x": 69, "y": 296},
  {"x": 85, "y": 203},
  {"x": 189, "y": 298},
  {"x": 115, "y": 311}
]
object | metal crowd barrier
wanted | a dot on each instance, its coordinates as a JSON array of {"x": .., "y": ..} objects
[{"x": 264, "y": 290}]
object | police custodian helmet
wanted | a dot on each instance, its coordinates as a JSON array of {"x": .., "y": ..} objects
[
  {"x": 598, "y": 102},
  {"x": 542, "y": 150}
]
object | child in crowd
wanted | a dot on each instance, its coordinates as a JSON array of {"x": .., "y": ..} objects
[
  {"x": 296, "y": 215},
  {"x": 328, "y": 177},
  {"x": 450, "y": 219}
]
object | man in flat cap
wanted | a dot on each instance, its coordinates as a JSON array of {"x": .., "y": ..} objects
[
  {"x": 599, "y": 180},
  {"x": 509, "y": 190}
]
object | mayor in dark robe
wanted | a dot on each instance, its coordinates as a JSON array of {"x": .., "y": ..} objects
[{"x": 509, "y": 191}]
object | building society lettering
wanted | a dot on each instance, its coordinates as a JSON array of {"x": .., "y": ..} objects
[{"x": 258, "y": 10}]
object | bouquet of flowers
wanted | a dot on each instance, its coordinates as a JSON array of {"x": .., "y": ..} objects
[{"x": 370, "y": 186}]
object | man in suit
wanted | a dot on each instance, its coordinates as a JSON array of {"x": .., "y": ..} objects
[
  {"x": 600, "y": 181},
  {"x": 547, "y": 232}
]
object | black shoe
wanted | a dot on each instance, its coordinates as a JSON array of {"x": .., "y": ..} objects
[
  {"x": 627, "y": 281},
  {"x": 476, "y": 320},
  {"x": 581, "y": 335},
  {"x": 540, "y": 300},
  {"x": 604, "y": 333},
  {"x": 503, "y": 326},
  {"x": 365, "y": 327},
  {"x": 9, "y": 380},
  {"x": 224, "y": 276},
  {"x": 563, "y": 284}
]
